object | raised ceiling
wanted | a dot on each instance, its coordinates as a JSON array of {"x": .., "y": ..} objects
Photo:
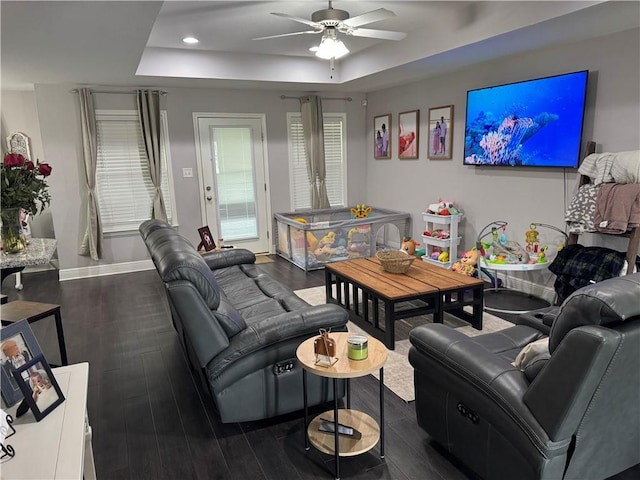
[{"x": 140, "y": 43}]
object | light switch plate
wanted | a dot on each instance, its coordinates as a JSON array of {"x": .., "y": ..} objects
[{"x": 187, "y": 172}]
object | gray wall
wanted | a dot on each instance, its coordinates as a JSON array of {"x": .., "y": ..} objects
[
  {"x": 518, "y": 196},
  {"x": 58, "y": 120}
]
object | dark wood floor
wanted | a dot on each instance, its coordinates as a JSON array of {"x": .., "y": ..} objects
[{"x": 151, "y": 420}]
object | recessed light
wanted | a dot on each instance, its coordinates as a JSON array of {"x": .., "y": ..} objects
[{"x": 190, "y": 40}]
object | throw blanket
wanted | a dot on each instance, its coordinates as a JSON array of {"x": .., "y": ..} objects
[
  {"x": 576, "y": 266},
  {"x": 617, "y": 207},
  {"x": 579, "y": 214},
  {"x": 621, "y": 167}
]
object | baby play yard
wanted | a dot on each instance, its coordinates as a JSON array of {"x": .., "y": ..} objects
[{"x": 312, "y": 238}]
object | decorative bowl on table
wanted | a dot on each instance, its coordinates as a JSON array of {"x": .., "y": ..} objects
[{"x": 395, "y": 261}]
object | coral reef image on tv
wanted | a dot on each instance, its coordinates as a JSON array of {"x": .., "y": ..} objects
[{"x": 535, "y": 123}]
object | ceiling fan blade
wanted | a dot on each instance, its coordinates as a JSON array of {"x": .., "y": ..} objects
[
  {"x": 369, "y": 17},
  {"x": 287, "y": 34},
  {"x": 298, "y": 19},
  {"x": 383, "y": 34}
]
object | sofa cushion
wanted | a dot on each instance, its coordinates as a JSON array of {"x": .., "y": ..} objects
[{"x": 230, "y": 319}]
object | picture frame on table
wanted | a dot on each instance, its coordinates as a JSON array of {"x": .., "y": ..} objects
[
  {"x": 206, "y": 238},
  {"x": 40, "y": 388},
  {"x": 18, "y": 346},
  {"x": 408, "y": 135},
  {"x": 382, "y": 137},
  {"x": 439, "y": 145},
  {"x": 18, "y": 142}
]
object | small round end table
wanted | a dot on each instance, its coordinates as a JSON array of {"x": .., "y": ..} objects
[{"x": 369, "y": 430}]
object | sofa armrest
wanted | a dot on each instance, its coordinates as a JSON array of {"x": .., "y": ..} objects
[
  {"x": 302, "y": 323},
  {"x": 486, "y": 375},
  {"x": 540, "y": 319},
  {"x": 560, "y": 394},
  {"x": 228, "y": 257},
  {"x": 205, "y": 333}
]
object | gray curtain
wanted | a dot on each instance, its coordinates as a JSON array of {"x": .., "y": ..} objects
[
  {"x": 92, "y": 242},
  {"x": 313, "y": 128},
  {"x": 149, "y": 114}
]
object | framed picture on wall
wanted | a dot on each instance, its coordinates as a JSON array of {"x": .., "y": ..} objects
[
  {"x": 408, "y": 134},
  {"x": 382, "y": 137},
  {"x": 440, "y": 133}
]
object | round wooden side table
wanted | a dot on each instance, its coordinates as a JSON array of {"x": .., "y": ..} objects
[{"x": 344, "y": 368}]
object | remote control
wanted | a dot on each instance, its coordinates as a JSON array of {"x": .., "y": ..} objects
[{"x": 327, "y": 426}]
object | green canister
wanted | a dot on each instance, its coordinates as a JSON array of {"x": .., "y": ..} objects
[{"x": 358, "y": 347}]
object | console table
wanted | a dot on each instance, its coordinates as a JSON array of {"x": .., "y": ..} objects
[
  {"x": 59, "y": 446},
  {"x": 39, "y": 251}
]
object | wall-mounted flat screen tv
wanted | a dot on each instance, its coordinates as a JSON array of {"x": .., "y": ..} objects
[{"x": 535, "y": 123}]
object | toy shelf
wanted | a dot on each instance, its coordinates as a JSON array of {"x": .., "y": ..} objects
[
  {"x": 434, "y": 244},
  {"x": 440, "y": 242}
]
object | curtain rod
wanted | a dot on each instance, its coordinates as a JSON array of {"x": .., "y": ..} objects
[
  {"x": 124, "y": 92},
  {"x": 348, "y": 99}
]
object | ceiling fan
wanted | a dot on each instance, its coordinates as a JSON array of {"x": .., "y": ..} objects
[{"x": 332, "y": 21}]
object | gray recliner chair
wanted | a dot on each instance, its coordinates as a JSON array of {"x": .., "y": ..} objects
[
  {"x": 239, "y": 327},
  {"x": 572, "y": 413}
]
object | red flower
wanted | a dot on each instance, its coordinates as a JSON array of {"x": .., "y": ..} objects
[
  {"x": 13, "y": 160},
  {"x": 29, "y": 165},
  {"x": 45, "y": 169}
]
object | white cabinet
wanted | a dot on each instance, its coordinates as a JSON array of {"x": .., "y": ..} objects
[
  {"x": 58, "y": 446},
  {"x": 444, "y": 223}
]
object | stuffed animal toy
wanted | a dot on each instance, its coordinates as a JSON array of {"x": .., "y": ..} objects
[
  {"x": 312, "y": 241},
  {"x": 443, "y": 257},
  {"x": 408, "y": 246},
  {"x": 443, "y": 208},
  {"x": 467, "y": 264},
  {"x": 325, "y": 245},
  {"x": 360, "y": 211}
]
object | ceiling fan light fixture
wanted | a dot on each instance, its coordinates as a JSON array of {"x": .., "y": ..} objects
[{"x": 331, "y": 47}]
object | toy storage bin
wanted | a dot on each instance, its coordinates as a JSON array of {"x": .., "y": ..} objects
[{"x": 331, "y": 235}]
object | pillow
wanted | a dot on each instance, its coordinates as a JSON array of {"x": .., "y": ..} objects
[
  {"x": 531, "y": 352},
  {"x": 626, "y": 167},
  {"x": 597, "y": 167}
]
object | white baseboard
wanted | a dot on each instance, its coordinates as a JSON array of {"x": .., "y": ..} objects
[{"x": 102, "y": 270}]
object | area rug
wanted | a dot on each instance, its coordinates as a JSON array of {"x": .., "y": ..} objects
[{"x": 398, "y": 375}]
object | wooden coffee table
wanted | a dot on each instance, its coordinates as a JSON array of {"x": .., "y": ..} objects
[{"x": 361, "y": 286}]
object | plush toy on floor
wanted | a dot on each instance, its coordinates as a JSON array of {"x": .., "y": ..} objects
[{"x": 467, "y": 264}]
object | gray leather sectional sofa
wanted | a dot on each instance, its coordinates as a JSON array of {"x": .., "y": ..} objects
[
  {"x": 572, "y": 413},
  {"x": 239, "y": 327}
]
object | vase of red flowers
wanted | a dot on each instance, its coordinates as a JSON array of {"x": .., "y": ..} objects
[{"x": 23, "y": 187}]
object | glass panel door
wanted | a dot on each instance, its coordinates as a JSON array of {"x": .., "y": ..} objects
[{"x": 234, "y": 181}]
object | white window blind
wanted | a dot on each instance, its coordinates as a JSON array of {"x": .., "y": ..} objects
[
  {"x": 123, "y": 182},
  {"x": 335, "y": 160}
]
